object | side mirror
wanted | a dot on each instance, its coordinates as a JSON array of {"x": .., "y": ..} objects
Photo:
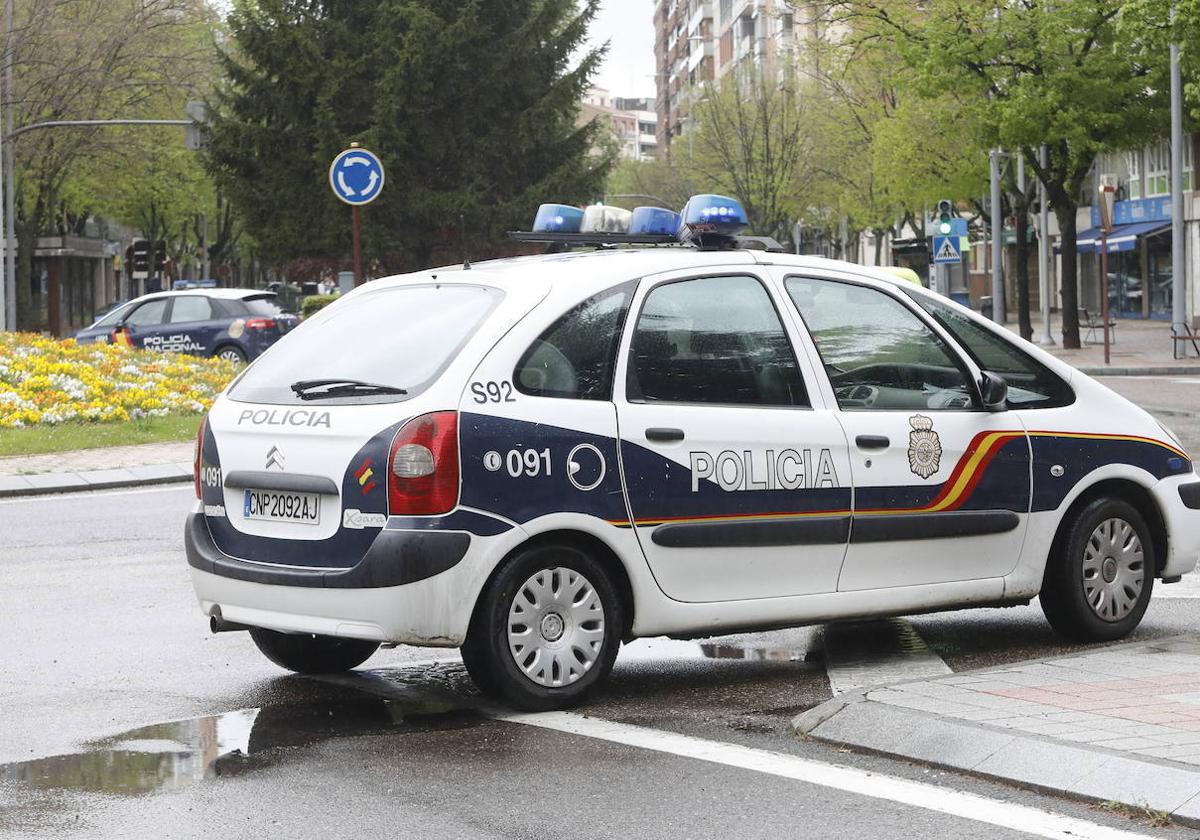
[{"x": 994, "y": 391}]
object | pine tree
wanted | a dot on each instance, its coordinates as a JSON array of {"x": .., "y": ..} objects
[{"x": 471, "y": 106}]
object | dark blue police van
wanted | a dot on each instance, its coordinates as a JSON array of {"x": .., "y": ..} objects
[{"x": 234, "y": 324}]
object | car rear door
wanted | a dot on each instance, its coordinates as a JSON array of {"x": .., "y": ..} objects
[
  {"x": 941, "y": 486},
  {"x": 738, "y": 482},
  {"x": 194, "y": 325}
]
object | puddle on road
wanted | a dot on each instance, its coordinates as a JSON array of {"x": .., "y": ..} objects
[{"x": 173, "y": 755}]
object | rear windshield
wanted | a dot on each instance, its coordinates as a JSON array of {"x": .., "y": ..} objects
[
  {"x": 401, "y": 337},
  {"x": 264, "y": 305}
]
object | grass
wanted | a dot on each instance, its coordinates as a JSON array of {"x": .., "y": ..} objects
[
  {"x": 1139, "y": 813},
  {"x": 37, "y": 440}
]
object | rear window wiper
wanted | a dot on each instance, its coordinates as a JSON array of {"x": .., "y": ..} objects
[{"x": 318, "y": 389}]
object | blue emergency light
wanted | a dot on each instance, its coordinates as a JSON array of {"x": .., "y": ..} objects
[
  {"x": 557, "y": 218},
  {"x": 712, "y": 214},
  {"x": 654, "y": 221}
]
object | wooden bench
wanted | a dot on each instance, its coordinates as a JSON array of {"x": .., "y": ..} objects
[
  {"x": 1093, "y": 323},
  {"x": 1178, "y": 335}
]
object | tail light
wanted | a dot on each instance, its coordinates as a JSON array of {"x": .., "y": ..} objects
[
  {"x": 196, "y": 460},
  {"x": 260, "y": 323},
  {"x": 423, "y": 466}
]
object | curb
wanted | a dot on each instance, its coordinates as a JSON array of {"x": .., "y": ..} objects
[
  {"x": 1177, "y": 370},
  {"x": 1089, "y": 773},
  {"x": 41, "y": 484}
]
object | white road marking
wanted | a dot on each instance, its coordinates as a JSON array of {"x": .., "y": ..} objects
[{"x": 851, "y": 779}]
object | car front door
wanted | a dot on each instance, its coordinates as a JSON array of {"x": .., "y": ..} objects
[
  {"x": 737, "y": 481},
  {"x": 941, "y": 486},
  {"x": 145, "y": 326}
]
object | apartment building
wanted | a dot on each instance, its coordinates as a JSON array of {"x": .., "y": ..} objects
[
  {"x": 633, "y": 121},
  {"x": 698, "y": 41}
]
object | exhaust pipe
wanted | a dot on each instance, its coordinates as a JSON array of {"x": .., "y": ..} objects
[{"x": 219, "y": 625}]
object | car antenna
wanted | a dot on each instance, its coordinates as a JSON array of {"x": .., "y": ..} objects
[{"x": 462, "y": 232}]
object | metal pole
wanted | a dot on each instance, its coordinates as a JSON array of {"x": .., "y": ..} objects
[
  {"x": 203, "y": 246},
  {"x": 1044, "y": 288},
  {"x": 1104, "y": 288},
  {"x": 357, "y": 247},
  {"x": 1179, "y": 283},
  {"x": 10, "y": 238},
  {"x": 998, "y": 311},
  {"x": 8, "y": 288}
]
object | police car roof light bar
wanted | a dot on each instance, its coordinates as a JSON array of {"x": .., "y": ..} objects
[{"x": 708, "y": 222}]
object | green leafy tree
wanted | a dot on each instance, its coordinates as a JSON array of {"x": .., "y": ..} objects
[
  {"x": 1032, "y": 73},
  {"x": 470, "y": 105},
  {"x": 94, "y": 59}
]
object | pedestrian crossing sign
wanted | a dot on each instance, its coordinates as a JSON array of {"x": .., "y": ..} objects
[{"x": 946, "y": 250}]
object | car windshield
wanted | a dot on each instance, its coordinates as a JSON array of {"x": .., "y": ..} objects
[
  {"x": 113, "y": 317},
  {"x": 401, "y": 338}
]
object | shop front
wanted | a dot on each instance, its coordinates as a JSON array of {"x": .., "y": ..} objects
[{"x": 1139, "y": 260}]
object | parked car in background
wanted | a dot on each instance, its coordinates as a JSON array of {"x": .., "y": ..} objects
[{"x": 234, "y": 324}]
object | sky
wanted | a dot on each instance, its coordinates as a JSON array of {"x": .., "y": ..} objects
[{"x": 628, "y": 25}]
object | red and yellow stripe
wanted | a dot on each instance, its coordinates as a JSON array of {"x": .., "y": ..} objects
[{"x": 956, "y": 490}]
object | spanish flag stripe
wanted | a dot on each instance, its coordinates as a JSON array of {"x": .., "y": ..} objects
[{"x": 956, "y": 490}]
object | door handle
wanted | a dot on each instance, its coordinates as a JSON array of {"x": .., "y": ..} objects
[
  {"x": 872, "y": 442},
  {"x": 664, "y": 435}
]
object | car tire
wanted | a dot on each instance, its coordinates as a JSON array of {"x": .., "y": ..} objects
[
  {"x": 1098, "y": 581},
  {"x": 546, "y": 629},
  {"x": 306, "y": 653},
  {"x": 231, "y": 353}
]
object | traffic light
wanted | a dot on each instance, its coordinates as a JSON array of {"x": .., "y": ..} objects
[
  {"x": 160, "y": 255},
  {"x": 139, "y": 258},
  {"x": 945, "y": 216}
]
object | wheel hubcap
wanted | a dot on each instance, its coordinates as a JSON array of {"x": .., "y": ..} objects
[
  {"x": 1114, "y": 571},
  {"x": 556, "y": 627}
]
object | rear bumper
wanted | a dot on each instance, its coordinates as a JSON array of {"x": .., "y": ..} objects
[
  {"x": 412, "y": 587},
  {"x": 395, "y": 558}
]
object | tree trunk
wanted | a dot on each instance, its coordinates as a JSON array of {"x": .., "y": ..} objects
[
  {"x": 26, "y": 235},
  {"x": 1022, "y": 231},
  {"x": 1069, "y": 280}
]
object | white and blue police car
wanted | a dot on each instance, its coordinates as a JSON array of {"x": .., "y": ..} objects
[
  {"x": 232, "y": 324},
  {"x": 535, "y": 459}
]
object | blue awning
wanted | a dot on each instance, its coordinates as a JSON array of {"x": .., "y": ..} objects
[{"x": 1120, "y": 238}]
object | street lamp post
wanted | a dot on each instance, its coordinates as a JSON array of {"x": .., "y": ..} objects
[
  {"x": 1179, "y": 301},
  {"x": 1106, "y": 216},
  {"x": 1044, "y": 251},
  {"x": 999, "y": 315}
]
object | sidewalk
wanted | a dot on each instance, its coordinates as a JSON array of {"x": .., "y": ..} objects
[
  {"x": 1141, "y": 347},
  {"x": 1121, "y": 724},
  {"x": 95, "y": 469}
]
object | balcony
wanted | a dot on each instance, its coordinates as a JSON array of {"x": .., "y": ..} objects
[{"x": 703, "y": 12}]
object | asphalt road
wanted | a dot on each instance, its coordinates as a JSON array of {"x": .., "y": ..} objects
[{"x": 124, "y": 717}]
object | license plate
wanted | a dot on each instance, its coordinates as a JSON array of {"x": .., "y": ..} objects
[{"x": 303, "y": 508}]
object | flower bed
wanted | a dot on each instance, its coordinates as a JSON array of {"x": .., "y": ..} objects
[{"x": 44, "y": 380}]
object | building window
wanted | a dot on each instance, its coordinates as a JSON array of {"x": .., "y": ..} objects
[
  {"x": 1158, "y": 168},
  {"x": 726, "y": 11},
  {"x": 1133, "y": 162}
]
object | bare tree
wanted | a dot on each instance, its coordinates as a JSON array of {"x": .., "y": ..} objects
[{"x": 752, "y": 140}]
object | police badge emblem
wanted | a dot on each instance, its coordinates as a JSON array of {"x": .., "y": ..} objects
[{"x": 924, "y": 446}]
